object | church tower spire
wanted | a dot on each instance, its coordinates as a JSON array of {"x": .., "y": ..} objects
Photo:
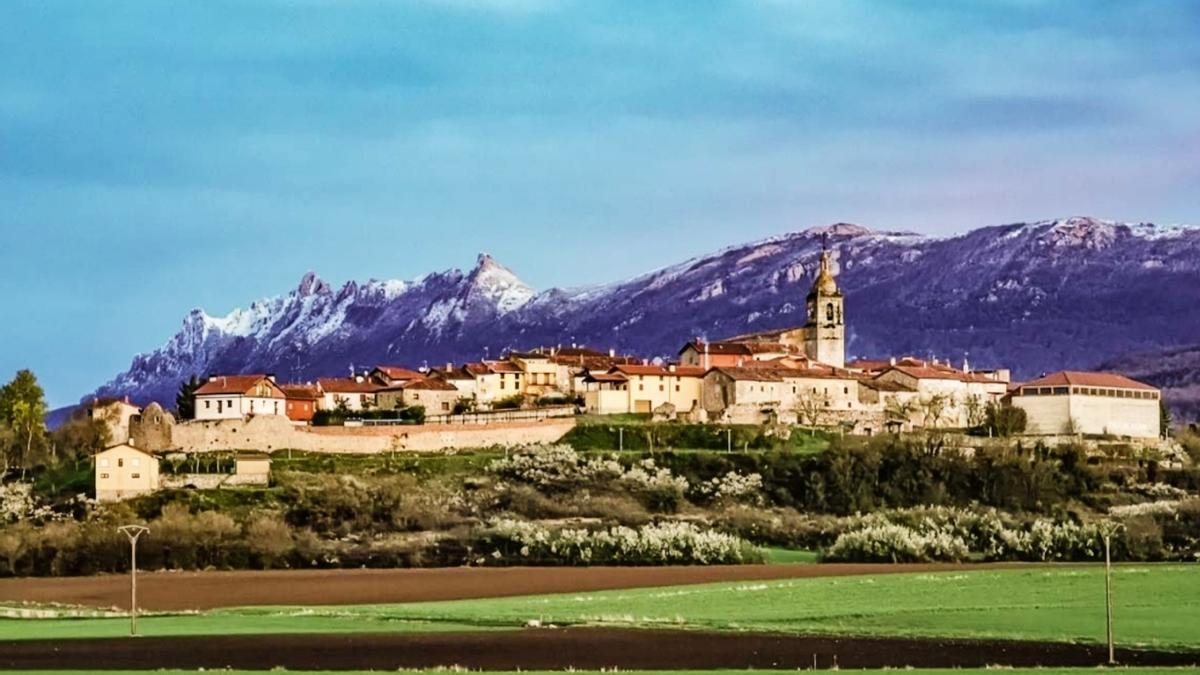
[{"x": 825, "y": 332}]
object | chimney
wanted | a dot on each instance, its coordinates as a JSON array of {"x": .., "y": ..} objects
[
  {"x": 449, "y": 366},
  {"x": 612, "y": 353},
  {"x": 966, "y": 366},
  {"x": 271, "y": 376},
  {"x": 212, "y": 377},
  {"x": 892, "y": 361},
  {"x": 670, "y": 367},
  {"x": 645, "y": 362}
]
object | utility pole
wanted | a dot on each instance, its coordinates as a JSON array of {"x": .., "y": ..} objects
[
  {"x": 729, "y": 440},
  {"x": 133, "y": 532},
  {"x": 620, "y": 438},
  {"x": 1107, "y": 533}
]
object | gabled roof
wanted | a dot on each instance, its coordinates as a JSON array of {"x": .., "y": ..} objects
[
  {"x": 427, "y": 384},
  {"x": 502, "y": 367},
  {"x": 300, "y": 391},
  {"x": 605, "y": 377},
  {"x": 647, "y": 369},
  {"x": 1088, "y": 379},
  {"x": 348, "y": 385},
  {"x": 749, "y": 374},
  {"x": 399, "y": 373},
  {"x": 219, "y": 385},
  {"x": 452, "y": 374}
]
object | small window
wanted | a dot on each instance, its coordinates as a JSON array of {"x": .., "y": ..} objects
[
  {"x": 207, "y": 404},
  {"x": 136, "y": 475},
  {"x": 445, "y": 405},
  {"x": 120, "y": 462},
  {"x": 661, "y": 388},
  {"x": 676, "y": 387},
  {"x": 104, "y": 475}
]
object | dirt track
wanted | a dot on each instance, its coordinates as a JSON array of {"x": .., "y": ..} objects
[
  {"x": 556, "y": 649},
  {"x": 209, "y": 590}
]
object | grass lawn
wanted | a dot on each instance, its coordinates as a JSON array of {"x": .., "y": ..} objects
[
  {"x": 789, "y": 556},
  {"x": 1008, "y": 671},
  {"x": 1156, "y": 605}
]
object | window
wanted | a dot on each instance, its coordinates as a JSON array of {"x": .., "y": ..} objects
[
  {"x": 661, "y": 388},
  {"x": 676, "y": 387},
  {"x": 207, "y": 404},
  {"x": 136, "y": 475},
  {"x": 829, "y": 312},
  {"x": 445, "y": 405},
  {"x": 104, "y": 463},
  {"x": 104, "y": 475},
  {"x": 120, "y": 462},
  {"x": 502, "y": 383},
  {"x": 230, "y": 403},
  {"x": 845, "y": 390},
  {"x": 641, "y": 387}
]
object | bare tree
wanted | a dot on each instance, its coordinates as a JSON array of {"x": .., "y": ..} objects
[
  {"x": 934, "y": 408},
  {"x": 811, "y": 406}
]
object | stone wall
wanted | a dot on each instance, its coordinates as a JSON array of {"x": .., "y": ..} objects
[{"x": 267, "y": 433}]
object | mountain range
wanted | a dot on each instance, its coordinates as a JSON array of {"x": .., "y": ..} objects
[{"x": 1033, "y": 297}]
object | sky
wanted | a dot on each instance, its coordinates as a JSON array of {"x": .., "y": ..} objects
[{"x": 157, "y": 156}]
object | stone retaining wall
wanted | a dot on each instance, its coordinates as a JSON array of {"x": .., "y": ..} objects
[{"x": 267, "y": 433}]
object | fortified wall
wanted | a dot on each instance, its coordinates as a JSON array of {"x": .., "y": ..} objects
[{"x": 156, "y": 430}]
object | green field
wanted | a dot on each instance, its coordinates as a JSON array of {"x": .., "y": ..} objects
[
  {"x": 1156, "y": 606},
  {"x": 906, "y": 671}
]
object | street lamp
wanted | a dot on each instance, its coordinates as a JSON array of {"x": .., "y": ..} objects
[{"x": 133, "y": 532}]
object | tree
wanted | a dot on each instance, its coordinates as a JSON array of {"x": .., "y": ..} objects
[
  {"x": 185, "y": 400},
  {"x": 975, "y": 410},
  {"x": 934, "y": 407},
  {"x": 1004, "y": 419},
  {"x": 23, "y": 411},
  {"x": 80, "y": 438},
  {"x": 811, "y": 406},
  {"x": 1164, "y": 419}
]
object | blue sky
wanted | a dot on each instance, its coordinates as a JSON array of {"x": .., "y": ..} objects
[{"x": 156, "y": 156}]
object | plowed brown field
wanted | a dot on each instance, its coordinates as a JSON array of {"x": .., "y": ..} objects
[
  {"x": 209, "y": 590},
  {"x": 552, "y": 649}
]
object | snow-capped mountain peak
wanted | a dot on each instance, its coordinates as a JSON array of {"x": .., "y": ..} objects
[{"x": 1028, "y": 296}]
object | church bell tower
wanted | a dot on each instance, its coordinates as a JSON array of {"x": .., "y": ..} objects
[{"x": 825, "y": 331}]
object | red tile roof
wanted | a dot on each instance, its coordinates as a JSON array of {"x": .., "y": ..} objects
[
  {"x": 605, "y": 377},
  {"x": 640, "y": 369},
  {"x": 399, "y": 373},
  {"x": 428, "y": 384},
  {"x": 502, "y": 367},
  {"x": 300, "y": 391},
  {"x": 230, "y": 384},
  {"x": 347, "y": 385},
  {"x": 1086, "y": 379}
]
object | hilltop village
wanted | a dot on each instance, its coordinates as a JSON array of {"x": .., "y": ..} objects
[{"x": 789, "y": 376}]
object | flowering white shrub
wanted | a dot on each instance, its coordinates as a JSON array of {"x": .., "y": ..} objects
[
  {"x": 546, "y": 466},
  {"x": 1166, "y": 507},
  {"x": 951, "y": 534},
  {"x": 669, "y": 543},
  {"x": 888, "y": 542},
  {"x": 18, "y": 503},
  {"x": 1159, "y": 491},
  {"x": 733, "y": 487},
  {"x": 550, "y": 467}
]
